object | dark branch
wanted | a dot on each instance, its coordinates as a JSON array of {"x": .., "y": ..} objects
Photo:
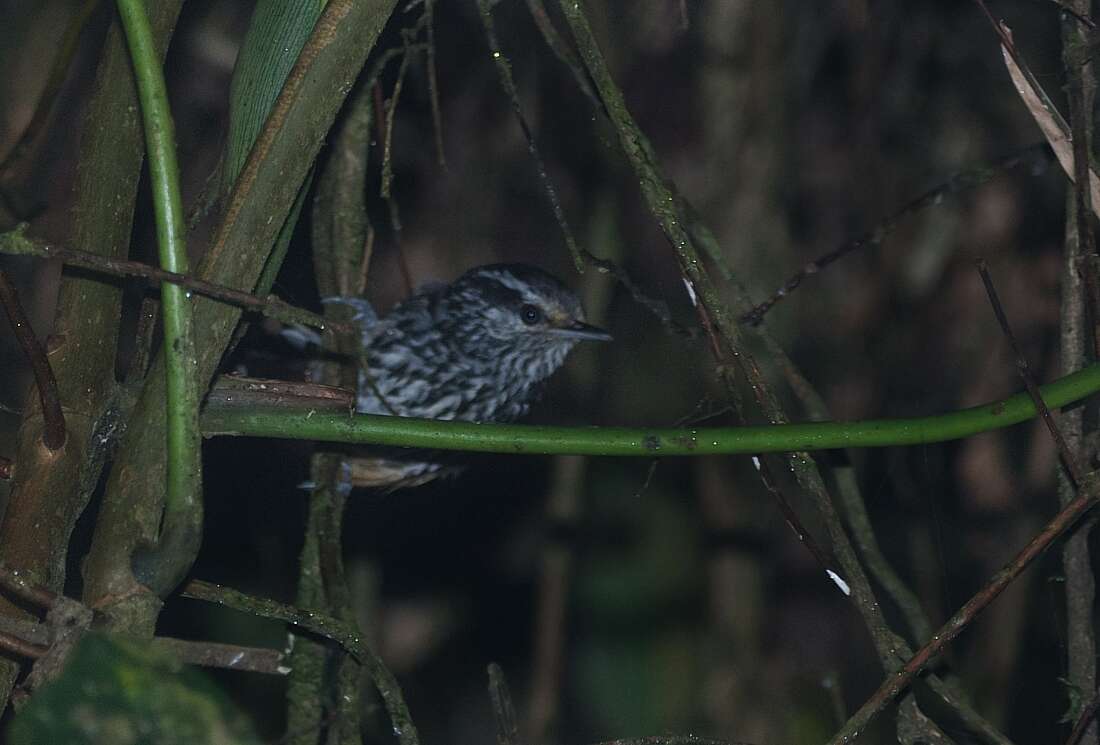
[
  {"x": 53, "y": 435},
  {"x": 960, "y": 182},
  {"x": 18, "y": 243},
  {"x": 1069, "y": 458}
]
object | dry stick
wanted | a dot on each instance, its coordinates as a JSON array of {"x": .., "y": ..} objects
[
  {"x": 1068, "y": 457},
  {"x": 15, "y": 583},
  {"x": 1080, "y": 126},
  {"x": 562, "y": 50},
  {"x": 391, "y": 204},
  {"x": 665, "y": 207},
  {"x": 142, "y": 341},
  {"x": 53, "y": 435},
  {"x": 804, "y": 536},
  {"x": 328, "y": 627},
  {"x": 1080, "y": 584},
  {"x": 433, "y": 84},
  {"x": 852, "y": 501},
  {"x": 1089, "y": 268},
  {"x": 21, "y": 648},
  {"x": 550, "y": 616},
  {"x": 18, "y": 243},
  {"x": 1071, "y": 148},
  {"x": 204, "y": 654},
  {"x": 504, "y": 71},
  {"x": 581, "y": 256},
  {"x": 207, "y": 654},
  {"x": 326, "y": 691},
  {"x": 1076, "y": 624},
  {"x": 879, "y": 567},
  {"x": 959, "y": 182},
  {"x": 227, "y": 656},
  {"x": 387, "y": 115},
  {"x": 1088, "y": 714},
  {"x": 334, "y": 629},
  {"x": 975, "y": 605},
  {"x": 657, "y": 307},
  {"x": 1080, "y": 119},
  {"x": 503, "y": 710},
  {"x": 1082, "y": 19},
  {"x": 732, "y": 356}
]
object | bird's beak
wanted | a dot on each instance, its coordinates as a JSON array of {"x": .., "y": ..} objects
[{"x": 581, "y": 331}]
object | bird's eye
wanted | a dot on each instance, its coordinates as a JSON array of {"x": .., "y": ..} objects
[{"x": 530, "y": 315}]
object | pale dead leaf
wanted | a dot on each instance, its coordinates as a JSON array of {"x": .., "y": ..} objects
[{"x": 1051, "y": 123}]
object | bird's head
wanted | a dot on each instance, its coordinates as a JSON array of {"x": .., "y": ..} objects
[{"x": 518, "y": 309}]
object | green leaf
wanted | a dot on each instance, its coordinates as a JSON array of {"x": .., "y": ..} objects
[
  {"x": 276, "y": 33},
  {"x": 120, "y": 691}
]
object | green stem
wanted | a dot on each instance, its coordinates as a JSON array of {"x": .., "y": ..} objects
[
  {"x": 183, "y": 507},
  {"x": 646, "y": 442}
]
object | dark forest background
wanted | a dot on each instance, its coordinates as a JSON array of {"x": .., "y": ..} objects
[{"x": 792, "y": 127}]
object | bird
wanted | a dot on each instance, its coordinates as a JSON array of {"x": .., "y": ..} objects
[{"x": 479, "y": 349}]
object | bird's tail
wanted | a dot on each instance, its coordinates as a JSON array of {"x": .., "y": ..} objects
[
  {"x": 300, "y": 337},
  {"x": 303, "y": 338}
]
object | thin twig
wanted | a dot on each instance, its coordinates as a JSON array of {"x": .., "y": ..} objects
[
  {"x": 1082, "y": 19},
  {"x": 1089, "y": 269},
  {"x": 16, "y": 584},
  {"x": 30, "y": 639},
  {"x": 657, "y": 307},
  {"x": 1069, "y": 458},
  {"x": 900, "y": 680},
  {"x": 341, "y": 632},
  {"x": 381, "y": 111},
  {"x": 961, "y": 181},
  {"x": 226, "y": 656},
  {"x": 433, "y": 84},
  {"x": 1088, "y": 714},
  {"x": 389, "y": 110},
  {"x": 504, "y": 71},
  {"x": 562, "y": 50},
  {"x": 551, "y": 619},
  {"x": 1079, "y": 303},
  {"x": 18, "y": 243},
  {"x": 18, "y": 647},
  {"x": 53, "y": 418},
  {"x": 330, "y": 628},
  {"x": 804, "y": 536},
  {"x": 503, "y": 710}
]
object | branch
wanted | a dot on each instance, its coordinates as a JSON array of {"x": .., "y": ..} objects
[
  {"x": 504, "y": 71},
  {"x": 1069, "y": 458},
  {"x": 899, "y": 681},
  {"x": 44, "y": 381},
  {"x": 180, "y": 535},
  {"x": 340, "y": 632},
  {"x": 51, "y": 490},
  {"x": 226, "y": 656},
  {"x": 959, "y": 182},
  {"x": 17, "y": 243},
  {"x": 310, "y": 424},
  {"x": 345, "y": 634},
  {"x": 263, "y": 196},
  {"x": 503, "y": 710}
]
